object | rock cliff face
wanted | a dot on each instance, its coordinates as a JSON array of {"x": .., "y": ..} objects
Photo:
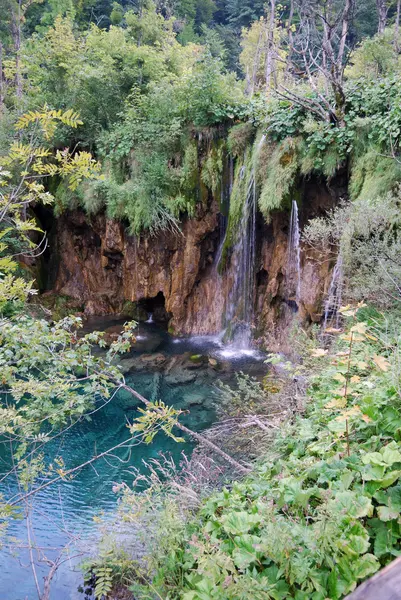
[{"x": 98, "y": 264}]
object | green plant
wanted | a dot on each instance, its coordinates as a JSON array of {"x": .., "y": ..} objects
[
  {"x": 321, "y": 510},
  {"x": 110, "y": 570},
  {"x": 280, "y": 176}
]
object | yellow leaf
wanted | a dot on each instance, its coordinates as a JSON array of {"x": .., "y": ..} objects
[
  {"x": 339, "y": 377},
  {"x": 359, "y": 328},
  {"x": 318, "y": 352},
  {"x": 362, "y": 365},
  {"x": 381, "y": 362},
  {"x": 332, "y": 330},
  {"x": 340, "y": 392},
  {"x": 371, "y": 337},
  {"x": 356, "y": 337},
  {"x": 366, "y": 418},
  {"x": 352, "y": 412},
  {"x": 343, "y": 353},
  {"x": 355, "y": 379},
  {"x": 336, "y": 403}
]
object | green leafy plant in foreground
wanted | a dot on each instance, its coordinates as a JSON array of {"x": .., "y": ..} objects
[{"x": 322, "y": 510}]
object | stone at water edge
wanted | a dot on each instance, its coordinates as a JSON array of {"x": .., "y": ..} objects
[
  {"x": 128, "y": 364},
  {"x": 192, "y": 399},
  {"x": 180, "y": 375},
  {"x": 153, "y": 360}
]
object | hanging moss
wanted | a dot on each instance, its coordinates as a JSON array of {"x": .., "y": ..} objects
[
  {"x": 280, "y": 176},
  {"x": 327, "y": 162},
  {"x": 373, "y": 175},
  {"x": 240, "y": 138},
  {"x": 245, "y": 171},
  {"x": 242, "y": 176},
  {"x": 212, "y": 168},
  {"x": 65, "y": 198},
  {"x": 189, "y": 178}
]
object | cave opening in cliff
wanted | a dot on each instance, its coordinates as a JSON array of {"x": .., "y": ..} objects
[{"x": 156, "y": 308}]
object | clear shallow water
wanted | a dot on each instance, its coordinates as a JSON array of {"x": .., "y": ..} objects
[{"x": 64, "y": 513}]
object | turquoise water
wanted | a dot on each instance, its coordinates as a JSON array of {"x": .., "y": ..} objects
[{"x": 63, "y": 514}]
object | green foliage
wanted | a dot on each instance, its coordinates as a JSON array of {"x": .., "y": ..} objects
[
  {"x": 23, "y": 170},
  {"x": 367, "y": 234},
  {"x": 374, "y": 57},
  {"x": 280, "y": 176},
  {"x": 212, "y": 168},
  {"x": 239, "y": 138},
  {"x": 112, "y": 568},
  {"x": 144, "y": 98},
  {"x": 321, "y": 511},
  {"x": 156, "y": 417},
  {"x": 140, "y": 103},
  {"x": 374, "y": 175}
]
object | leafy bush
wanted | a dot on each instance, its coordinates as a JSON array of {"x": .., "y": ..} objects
[
  {"x": 321, "y": 511},
  {"x": 367, "y": 234}
]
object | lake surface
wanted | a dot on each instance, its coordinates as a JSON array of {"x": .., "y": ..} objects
[{"x": 67, "y": 513}]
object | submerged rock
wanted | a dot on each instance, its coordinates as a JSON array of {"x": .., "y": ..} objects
[
  {"x": 192, "y": 398},
  {"x": 153, "y": 360},
  {"x": 180, "y": 376}
]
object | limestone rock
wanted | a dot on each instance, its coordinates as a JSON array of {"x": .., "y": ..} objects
[
  {"x": 153, "y": 360},
  {"x": 100, "y": 266}
]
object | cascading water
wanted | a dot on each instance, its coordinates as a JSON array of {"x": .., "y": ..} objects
[
  {"x": 226, "y": 189},
  {"x": 334, "y": 296},
  {"x": 294, "y": 254},
  {"x": 240, "y": 301}
]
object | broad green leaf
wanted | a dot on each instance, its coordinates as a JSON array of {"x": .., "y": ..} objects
[
  {"x": 238, "y": 523},
  {"x": 387, "y": 514},
  {"x": 245, "y": 551},
  {"x": 365, "y": 565},
  {"x": 352, "y": 504}
]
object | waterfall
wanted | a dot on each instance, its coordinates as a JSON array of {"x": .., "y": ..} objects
[
  {"x": 223, "y": 232},
  {"x": 334, "y": 296},
  {"x": 294, "y": 254},
  {"x": 239, "y": 310}
]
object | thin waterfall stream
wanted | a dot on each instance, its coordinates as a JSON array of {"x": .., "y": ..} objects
[
  {"x": 294, "y": 254},
  {"x": 334, "y": 296},
  {"x": 239, "y": 313}
]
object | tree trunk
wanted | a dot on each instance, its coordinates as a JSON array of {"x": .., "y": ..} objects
[
  {"x": 397, "y": 27},
  {"x": 1, "y": 77},
  {"x": 382, "y": 15},
  {"x": 270, "y": 47},
  {"x": 255, "y": 69},
  {"x": 196, "y": 436},
  {"x": 337, "y": 69},
  {"x": 16, "y": 34},
  {"x": 290, "y": 40}
]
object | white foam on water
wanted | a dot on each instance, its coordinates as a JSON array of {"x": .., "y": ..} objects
[
  {"x": 232, "y": 352},
  {"x": 201, "y": 340}
]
